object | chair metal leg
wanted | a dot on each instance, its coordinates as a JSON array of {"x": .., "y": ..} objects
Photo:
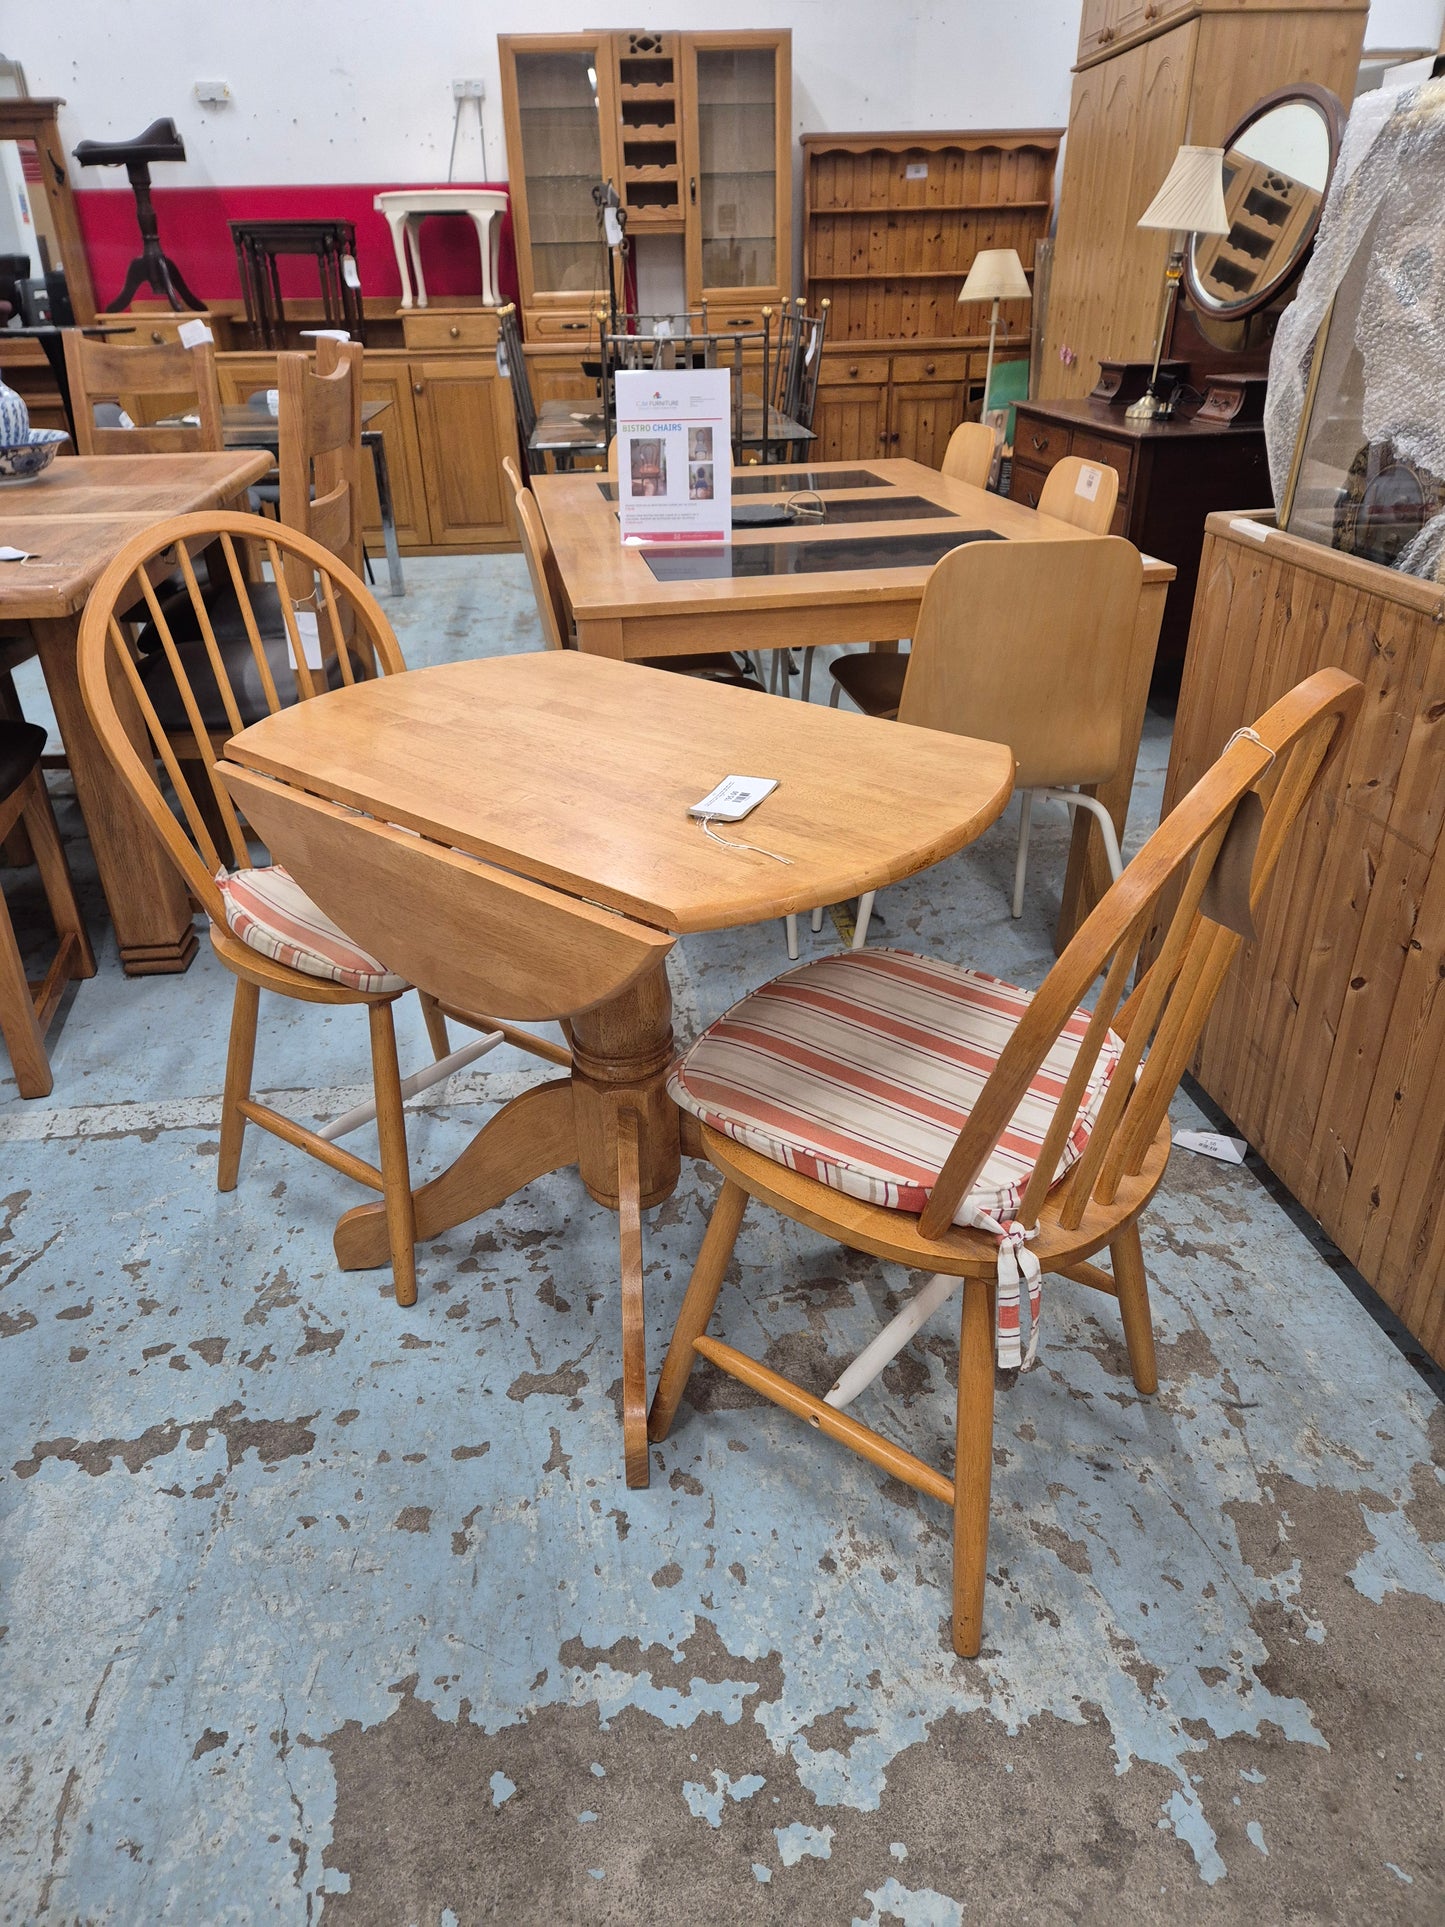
[
  {"x": 973, "y": 1465},
  {"x": 790, "y": 924},
  {"x": 755, "y": 658},
  {"x": 817, "y": 919},
  {"x": 807, "y": 688},
  {"x": 1021, "y": 862},
  {"x": 1076, "y": 800},
  {"x": 833, "y": 698},
  {"x": 860, "y": 927},
  {"x": 395, "y": 1166}
]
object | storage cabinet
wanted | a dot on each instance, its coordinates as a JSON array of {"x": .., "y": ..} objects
[
  {"x": 1149, "y": 78},
  {"x": 446, "y": 428},
  {"x": 905, "y": 404},
  {"x": 695, "y": 132}
]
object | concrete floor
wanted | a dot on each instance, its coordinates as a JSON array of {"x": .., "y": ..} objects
[{"x": 317, "y": 1609}]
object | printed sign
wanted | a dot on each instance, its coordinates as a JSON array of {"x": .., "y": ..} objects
[{"x": 674, "y": 455}]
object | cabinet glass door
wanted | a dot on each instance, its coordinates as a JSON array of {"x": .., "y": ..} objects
[
  {"x": 558, "y": 114},
  {"x": 737, "y": 178}
]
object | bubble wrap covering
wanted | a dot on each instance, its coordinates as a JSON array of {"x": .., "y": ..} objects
[{"x": 1387, "y": 195}]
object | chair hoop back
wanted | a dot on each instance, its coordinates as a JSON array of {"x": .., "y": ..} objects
[
  {"x": 1159, "y": 897},
  {"x": 209, "y": 636},
  {"x": 1084, "y": 493},
  {"x": 1032, "y": 648},
  {"x": 970, "y": 452}
]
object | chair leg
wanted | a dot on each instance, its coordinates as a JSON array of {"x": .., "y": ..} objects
[
  {"x": 790, "y": 924},
  {"x": 436, "y": 1026},
  {"x": 807, "y": 673},
  {"x": 1021, "y": 862},
  {"x": 1132, "y": 1285},
  {"x": 18, "y": 1025},
  {"x": 55, "y": 878},
  {"x": 973, "y": 1465},
  {"x": 860, "y": 927},
  {"x": 697, "y": 1307},
  {"x": 1076, "y": 800},
  {"x": 240, "y": 1056},
  {"x": 837, "y": 691},
  {"x": 395, "y": 1167}
]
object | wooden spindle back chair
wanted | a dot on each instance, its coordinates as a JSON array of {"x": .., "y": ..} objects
[
  {"x": 148, "y": 382},
  {"x": 1185, "y": 891},
  {"x": 165, "y": 735}
]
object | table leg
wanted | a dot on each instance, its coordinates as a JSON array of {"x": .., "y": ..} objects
[
  {"x": 397, "y": 223},
  {"x": 1087, "y": 877},
  {"x": 413, "y": 235},
  {"x": 145, "y": 895},
  {"x": 482, "y": 222},
  {"x": 377, "y": 443}
]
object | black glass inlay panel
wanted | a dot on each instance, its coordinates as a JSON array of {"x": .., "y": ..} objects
[
  {"x": 809, "y": 558},
  {"x": 866, "y": 508},
  {"x": 782, "y": 481}
]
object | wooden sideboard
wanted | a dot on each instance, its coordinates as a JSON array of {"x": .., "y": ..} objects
[
  {"x": 1327, "y": 1046},
  {"x": 1171, "y": 475},
  {"x": 448, "y": 427}
]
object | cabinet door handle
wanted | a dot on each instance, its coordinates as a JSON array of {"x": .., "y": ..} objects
[
  {"x": 418, "y": 388},
  {"x": 895, "y": 435},
  {"x": 692, "y": 190}
]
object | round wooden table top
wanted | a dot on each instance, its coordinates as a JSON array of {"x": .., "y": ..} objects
[{"x": 578, "y": 772}]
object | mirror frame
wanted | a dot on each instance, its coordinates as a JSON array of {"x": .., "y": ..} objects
[
  {"x": 1333, "y": 115},
  {"x": 24, "y": 119}
]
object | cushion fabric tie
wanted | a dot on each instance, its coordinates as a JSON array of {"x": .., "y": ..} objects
[{"x": 1016, "y": 1264}]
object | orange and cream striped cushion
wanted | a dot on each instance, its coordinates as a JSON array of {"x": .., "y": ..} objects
[
  {"x": 860, "y": 1070},
  {"x": 269, "y": 910}
]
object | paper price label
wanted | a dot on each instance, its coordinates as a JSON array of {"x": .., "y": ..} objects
[{"x": 1088, "y": 483}]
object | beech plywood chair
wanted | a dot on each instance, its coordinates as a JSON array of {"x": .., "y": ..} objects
[
  {"x": 165, "y": 740},
  {"x": 25, "y": 1008},
  {"x": 146, "y": 382},
  {"x": 969, "y": 455},
  {"x": 958, "y": 1126}
]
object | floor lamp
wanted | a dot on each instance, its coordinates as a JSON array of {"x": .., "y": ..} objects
[
  {"x": 997, "y": 275},
  {"x": 1191, "y": 201}
]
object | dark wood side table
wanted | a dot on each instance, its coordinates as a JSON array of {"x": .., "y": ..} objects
[{"x": 1171, "y": 475}]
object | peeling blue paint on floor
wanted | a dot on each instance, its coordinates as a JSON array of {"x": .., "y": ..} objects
[{"x": 317, "y": 1609}]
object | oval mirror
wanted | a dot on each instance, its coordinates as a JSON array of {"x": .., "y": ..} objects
[{"x": 1277, "y": 168}]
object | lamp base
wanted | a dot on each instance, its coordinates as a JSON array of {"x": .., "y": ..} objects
[{"x": 1148, "y": 408}]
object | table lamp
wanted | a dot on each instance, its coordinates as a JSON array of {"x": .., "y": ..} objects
[
  {"x": 1191, "y": 201},
  {"x": 997, "y": 275}
]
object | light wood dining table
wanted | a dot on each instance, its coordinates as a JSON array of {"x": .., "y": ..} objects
[
  {"x": 72, "y": 519},
  {"x": 513, "y": 836},
  {"x": 856, "y": 577}
]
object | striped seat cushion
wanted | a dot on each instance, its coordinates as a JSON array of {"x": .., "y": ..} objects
[
  {"x": 860, "y": 1070},
  {"x": 269, "y": 910}
]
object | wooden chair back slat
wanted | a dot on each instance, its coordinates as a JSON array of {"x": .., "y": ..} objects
[
  {"x": 150, "y": 380},
  {"x": 1282, "y": 761},
  {"x": 1055, "y": 691},
  {"x": 283, "y": 578},
  {"x": 970, "y": 452},
  {"x": 318, "y": 455},
  {"x": 1071, "y": 494},
  {"x": 118, "y": 700},
  {"x": 541, "y": 563}
]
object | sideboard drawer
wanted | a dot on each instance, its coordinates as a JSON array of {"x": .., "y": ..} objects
[
  {"x": 1026, "y": 484},
  {"x": 1040, "y": 443},
  {"x": 861, "y": 368},
  {"x": 1101, "y": 448},
  {"x": 938, "y": 367},
  {"x": 449, "y": 328}
]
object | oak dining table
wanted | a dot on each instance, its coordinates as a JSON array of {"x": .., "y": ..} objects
[
  {"x": 71, "y": 520},
  {"x": 512, "y": 835},
  {"x": 856, "y": 576}
]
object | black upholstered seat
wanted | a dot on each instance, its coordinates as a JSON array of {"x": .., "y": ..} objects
[
  {"x": 21, "y": 745},
  {"x": 161, "y": 141}
]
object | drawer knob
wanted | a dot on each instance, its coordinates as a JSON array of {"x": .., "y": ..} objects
[
  {"x": 854, "y": 369},
  {"x": 928, "y": 367},
  {"x": 455, "y": 333},
  {"x": 573, "y": 327},
  {"x": 157, "y": 337}
]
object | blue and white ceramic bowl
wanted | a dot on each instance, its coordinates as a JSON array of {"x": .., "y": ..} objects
[
  {"x": 22, "y": 461},
  {"x": 14, "y": 418}
]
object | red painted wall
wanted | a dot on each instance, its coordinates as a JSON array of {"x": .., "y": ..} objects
[{"x": 194, "y": 232}]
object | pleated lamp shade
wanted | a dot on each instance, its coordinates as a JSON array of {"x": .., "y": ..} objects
[
  {"x": 997, "y": 274},
  {"x": 1192, "y": 198}
]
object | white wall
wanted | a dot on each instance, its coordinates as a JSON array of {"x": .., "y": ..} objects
[{"x": 360, "y": 90}]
